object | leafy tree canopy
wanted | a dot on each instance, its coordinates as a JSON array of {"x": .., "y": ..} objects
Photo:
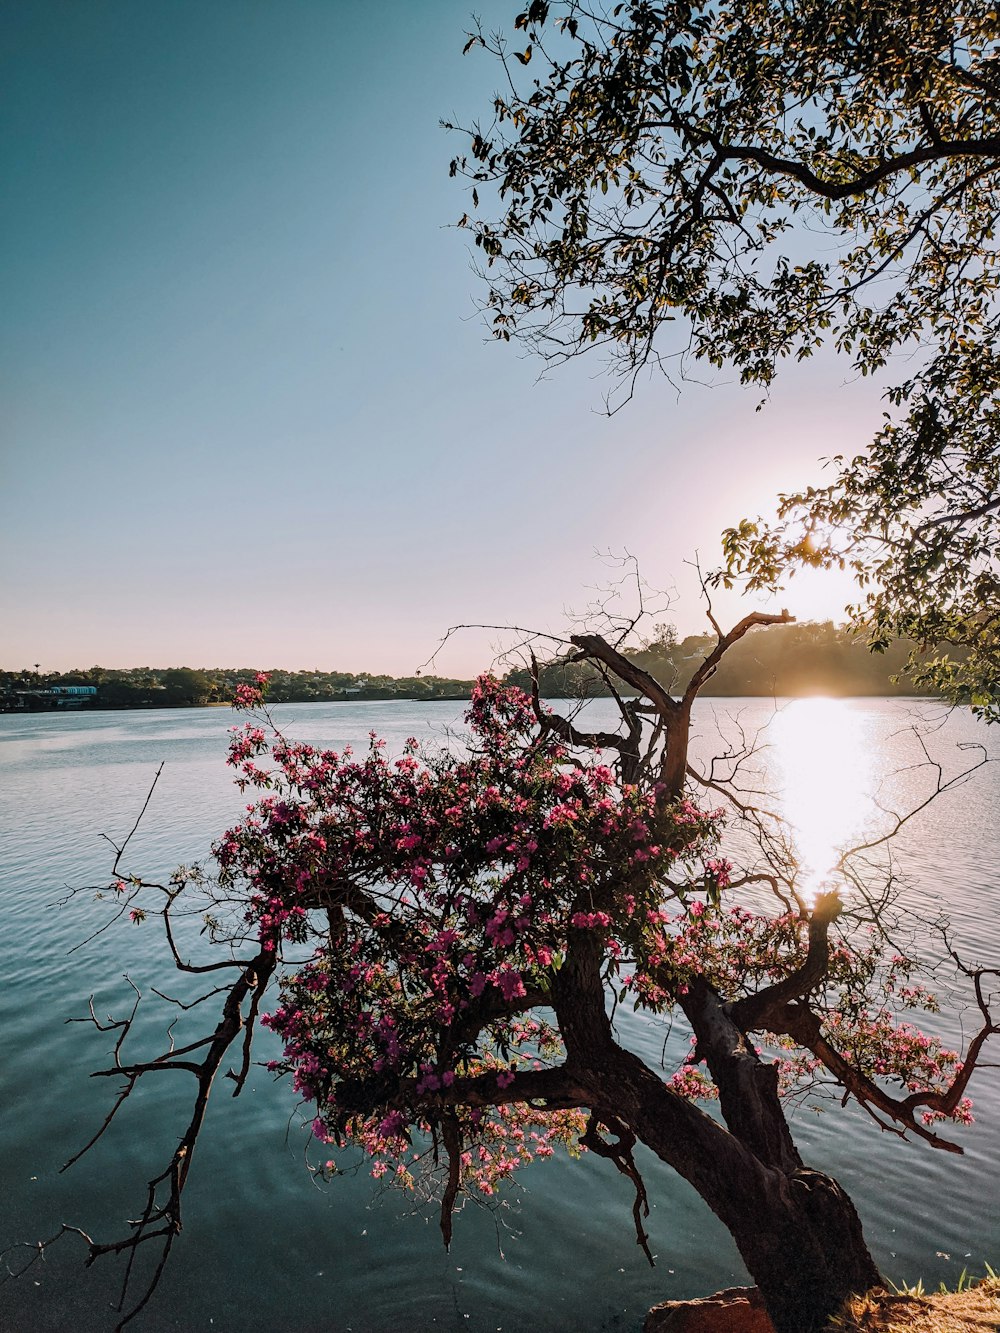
[{"x": 768, "y": 177}]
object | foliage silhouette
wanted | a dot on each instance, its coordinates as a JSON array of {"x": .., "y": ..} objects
[{"x": 737, "y": 184}]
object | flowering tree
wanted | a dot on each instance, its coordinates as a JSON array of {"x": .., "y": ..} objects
[{"x": 464, "y": 923}]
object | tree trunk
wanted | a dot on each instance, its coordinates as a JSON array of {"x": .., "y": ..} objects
[
  {"x": 804, "y": 1246},
  {"x": 797, "y": 1230},
  {"x": 803, "y": 1241}
]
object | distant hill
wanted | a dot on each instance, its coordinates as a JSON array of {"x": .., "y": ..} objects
[{"x": 781, "y": 660}]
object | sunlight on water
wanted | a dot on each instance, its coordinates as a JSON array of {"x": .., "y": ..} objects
[
  {"x": 825, "y": 764},
  {"x": 377, "y": 1261}
]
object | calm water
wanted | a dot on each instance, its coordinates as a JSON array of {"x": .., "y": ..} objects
[{"x": 264, "y": 1248}]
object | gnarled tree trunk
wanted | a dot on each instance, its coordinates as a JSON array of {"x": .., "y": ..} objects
[{"x": 796, "y": 1229}]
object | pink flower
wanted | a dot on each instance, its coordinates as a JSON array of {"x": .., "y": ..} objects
[
  {"x": 392, "y": 1125},
  {"x": 508, "y": 981},
  {"x": 588, "y": 920}
]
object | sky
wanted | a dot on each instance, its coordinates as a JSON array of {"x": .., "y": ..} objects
[{"x": 249, "y": 414}]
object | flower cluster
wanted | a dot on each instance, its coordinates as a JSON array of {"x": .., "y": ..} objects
[{"x": 441, "y": 894}]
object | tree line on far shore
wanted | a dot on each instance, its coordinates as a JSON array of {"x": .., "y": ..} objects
[
  {"x": 811, "y": 657},
  {"x": 184, "y": 687},
  {"x": 796, "y": 659}
]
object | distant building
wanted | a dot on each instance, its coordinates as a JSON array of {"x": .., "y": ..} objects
[{"x": 70, "y": 696}]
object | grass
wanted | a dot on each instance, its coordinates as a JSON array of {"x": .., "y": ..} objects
[{"x": 973, "y": 1307}]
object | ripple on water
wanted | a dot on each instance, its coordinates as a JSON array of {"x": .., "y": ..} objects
[{"x": 263, "y": 1247}]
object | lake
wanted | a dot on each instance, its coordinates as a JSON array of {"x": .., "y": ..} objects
[{"x": 264, "y": 1247}]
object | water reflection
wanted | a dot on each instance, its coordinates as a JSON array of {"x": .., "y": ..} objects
[{"x": 823, "y": 749}]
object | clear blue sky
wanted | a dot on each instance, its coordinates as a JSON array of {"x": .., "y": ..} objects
[{"x": 249, "y": 415}]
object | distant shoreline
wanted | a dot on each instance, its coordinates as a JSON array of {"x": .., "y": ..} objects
[
  {"x": 788, "y": 661},
  {"x": 146, "y": 707}
]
